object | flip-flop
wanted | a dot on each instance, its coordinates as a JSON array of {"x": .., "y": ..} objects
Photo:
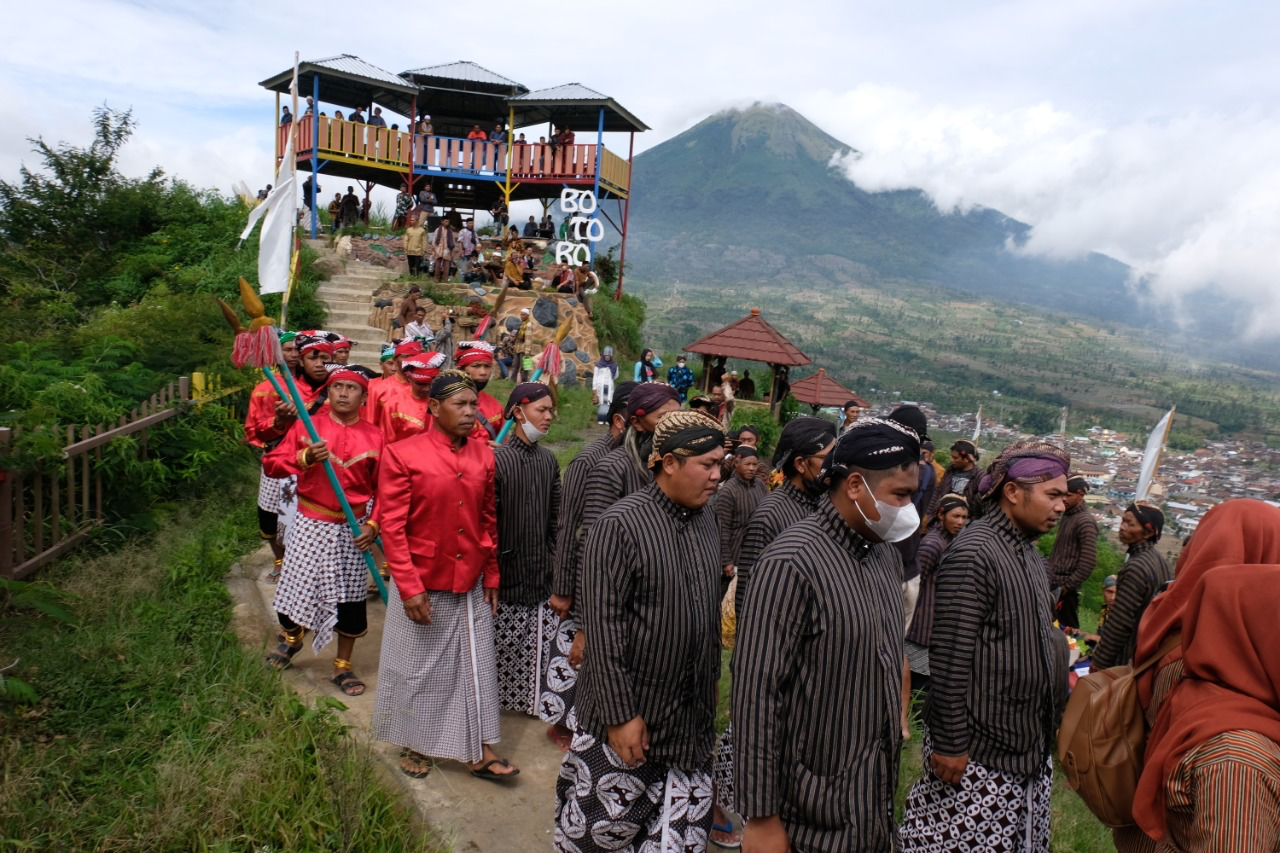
[
  {"x": 485, "y": 773},
  {"x": 417, "y": 758},
  {"x": 728, "y": 829}
]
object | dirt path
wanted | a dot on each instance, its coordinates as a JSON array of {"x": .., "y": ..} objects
[{"x": 475, "y": 815}]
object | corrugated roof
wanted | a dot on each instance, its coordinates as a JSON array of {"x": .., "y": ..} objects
[
  {"x": 752, "y": 339},
  {"x": 357, "y": 67},
  {"x": 464, "y": 70},
  {"x": 564, "y": 92},
  {"x": 821, "y": 390}
]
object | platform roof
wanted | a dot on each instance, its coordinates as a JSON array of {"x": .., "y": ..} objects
[
  {"x": 752, "y": 339},
  {"x": 821, "y": 390},
  {"x": 460, "y": 94},
  {"x": 348, "y": 81},
  {"x": 574, "y": 106}
]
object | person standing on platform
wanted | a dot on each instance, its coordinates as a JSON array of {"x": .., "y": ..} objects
[
  {"x": 266, "y": 421},
  {"x": 438, "y": 676},
  {"x": 560, "y": 675},
  {"x": 476, "y": 359},
  {"x": 638, "y": 770},
  {"x": 1144, "y": 574},
  {"x": 1074, "y": 554},
  {"x": 999, "y": 670},
  {"x": 528, "y": 495},
  {"x": 323, "y": 584},
  {"x": 817, "y": 672}
]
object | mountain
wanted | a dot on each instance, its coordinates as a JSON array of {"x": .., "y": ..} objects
[{"x": 751, "y": 196}]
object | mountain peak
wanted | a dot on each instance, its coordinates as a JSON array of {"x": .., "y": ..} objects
[{"x": 777, "y": 128}]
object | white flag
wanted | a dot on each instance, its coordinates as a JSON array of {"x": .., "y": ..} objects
[
  {"x": 275, "y": 244},
  {"x": 1151, "y": 456},
  {"x": 977, "y": 426}
]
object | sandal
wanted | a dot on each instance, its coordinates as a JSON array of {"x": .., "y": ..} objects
[
  {"x": 346, "y": 680},
  {"x": 727, "y": 830},
  {"x": 273, "y": 576},
  {"x": 418, "y": 759},
  {"x": 483, "y": 771},
  {"x": 283, "y": 654}
]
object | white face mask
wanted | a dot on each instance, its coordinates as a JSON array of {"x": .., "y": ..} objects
[
  {"x": 895, "y": 523},
  {"x": 532, "y": 433}
]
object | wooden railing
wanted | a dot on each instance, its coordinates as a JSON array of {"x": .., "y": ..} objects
[
  {"x": 399, "y": 151},
  {"x": 50, "y": 508}
]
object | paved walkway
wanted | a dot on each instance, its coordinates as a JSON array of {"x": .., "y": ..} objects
[{"x": 474, "y": 814}]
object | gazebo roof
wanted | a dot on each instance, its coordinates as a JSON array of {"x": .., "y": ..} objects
[
  {"x": 348, "y": 81},
  {"x": 752, "y": 339},
  {"x": 821, "y": 390},
  {"x": 574, "y": 106}
]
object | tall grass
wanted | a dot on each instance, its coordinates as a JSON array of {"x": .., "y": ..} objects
[{"x": 157, "y": 731}]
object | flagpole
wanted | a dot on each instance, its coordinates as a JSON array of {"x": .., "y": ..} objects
[{"x": 292, "y": 202}]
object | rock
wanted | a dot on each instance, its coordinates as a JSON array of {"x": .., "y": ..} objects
[
  {"x": 328, "y": 267},
  {"x": 478, "y": 290},
  {"x": 568, "y": 377},
  {"x": 568, "y": 344},
  {"x": 546, "y": 312},
  {"x": 512, "y": 323},
  {"x": 344, "y": 246},
  {"x": 573, "y": 302},
  {"x": 584, "y": 357}
]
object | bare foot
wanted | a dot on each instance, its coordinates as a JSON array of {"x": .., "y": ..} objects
[
  {"x": 492, "y": 765},
  {"x": 560, "y": 736}
]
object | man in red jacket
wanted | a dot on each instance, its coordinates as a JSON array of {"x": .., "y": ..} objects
[
  {"x": 405, "y": 413},
  {"x": 438, "y": 675},
  {"x": 475, "y": 358},
  {"x": 322, "y": 585}
]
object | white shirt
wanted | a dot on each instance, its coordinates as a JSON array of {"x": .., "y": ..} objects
[{"x": 419, "y": 330}]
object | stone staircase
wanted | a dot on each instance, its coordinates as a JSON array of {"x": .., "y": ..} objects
[{"x": 348, "y": 295}]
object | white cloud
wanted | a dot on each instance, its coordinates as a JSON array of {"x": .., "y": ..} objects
[{"x": 1189, "y": 202}]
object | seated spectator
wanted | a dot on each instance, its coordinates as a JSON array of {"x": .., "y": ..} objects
[
  {"x": 376, "y": 120},
  {"x": 546, "y": 228},
  {"x": 531, "y": 228},
  {"x": 520, "y": 140},
  {"x": 425, "y": 127},
  {"x": 506, "y": 353},
  {"x": 286, "y": 117},
  {"x": 563, "y": 281},
  {"x": 497, "y": 135},
  {"x": 513, "y": 274},
  {"x": 477, "y": 134},
  {"x": 311, "y": 106},
  {"x": 337, "y": 115},
  {"x": 357, "y": 116},
  {"x": 513, "y": 239},
  {"x": 419, "y": 327}
]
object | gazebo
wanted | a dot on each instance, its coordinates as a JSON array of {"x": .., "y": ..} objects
[
  {"x": 821, "y": 390},
  {"x": 751, "y": 339}
]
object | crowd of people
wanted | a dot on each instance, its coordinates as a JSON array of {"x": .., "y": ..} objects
[{"x": 846, "y": 572}]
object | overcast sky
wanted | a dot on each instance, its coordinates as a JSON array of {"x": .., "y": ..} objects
[{"x": 1146, "y": 129}]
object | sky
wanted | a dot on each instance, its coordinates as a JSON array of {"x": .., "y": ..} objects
[{"x": 1145, "y": 129}]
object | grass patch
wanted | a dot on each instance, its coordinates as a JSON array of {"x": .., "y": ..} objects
[{"x": 156, "y": 730}]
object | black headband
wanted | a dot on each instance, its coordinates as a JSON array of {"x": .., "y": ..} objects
[
  {"x": 875, "y": 444},
  {"x": 803, "y": 436},
  {"x": 1150, "y": 517},
  {"x": 691, "y": 441},
  {"x": 451, "y": 382},
  {"x": 950, "y": 502},
  {"x": 746, "y": 450}
]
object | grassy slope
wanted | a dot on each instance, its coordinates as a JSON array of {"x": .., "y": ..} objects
[{"x": 158, "y": 731}]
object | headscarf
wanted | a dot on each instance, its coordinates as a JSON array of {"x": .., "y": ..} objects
[
  {"x": 950, "y": 502},
  {"x": 388, "y": 352},
  {"x": 912, "y": 417},
  {"x": 286, "y": 337},
  {"x": 647, "y": 396},
  {"x": 1076, "y": 483},
  {"x": 409, "y": 347},
  {"x": 345, "y": 374},
  {"x": 802, "y": 436},
  {"x": 746, "y": 451},
  {"x": 876, "y": 444},
  {"x": 1110, "y": 581},
  {"x": 525, "y": 392},
  {"x": 1231, "y": 674},
  {"x": 316, "y": 339},
  {"x": 423, "y": 368},
  {"x": 621, "y": 393},
  {"x": 449, "y": 383},
  {"x": 964, "y": 445},
  {"x": 1149, "y": 516},
  {"x": 473, "y": 352},
  {"x": 751, "y": 428},
  {"x": 1239, "y": 532},
  {"x": 685, "y": 434},
  {"x": 343, "y": 342},
  {"x": 1025, "y": 463}
]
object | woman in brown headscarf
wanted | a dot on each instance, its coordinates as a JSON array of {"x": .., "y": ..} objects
[{"x": 1211, "y": 775}]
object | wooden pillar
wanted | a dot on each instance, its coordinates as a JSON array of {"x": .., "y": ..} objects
[
  {"x": 706, "y": 374},
  {"x": 775, "y": 405}
]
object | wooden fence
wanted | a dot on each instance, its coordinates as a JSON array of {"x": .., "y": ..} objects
[{"x": 49, "y": 509}]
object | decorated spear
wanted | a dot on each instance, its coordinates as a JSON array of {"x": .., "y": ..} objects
[
  {"x": 492, "y": 316},
  {"x": 259, "y": 346},
  {"x": 551, "y": 360}
]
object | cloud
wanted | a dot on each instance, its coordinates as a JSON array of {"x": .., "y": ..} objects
[{"x": 1190, "y": 202}]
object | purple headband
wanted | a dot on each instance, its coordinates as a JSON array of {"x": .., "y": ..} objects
[{"x": 1025, "y": 463}]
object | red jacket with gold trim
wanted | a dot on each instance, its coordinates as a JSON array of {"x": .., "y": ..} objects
[{"x": 355, "y": 451}]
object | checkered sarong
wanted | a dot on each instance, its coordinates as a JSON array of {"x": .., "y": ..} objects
[
  {"x": 269, "y": 492},
  {"x": 559, "y": 679},
  {"x": 722, "y": 770},
  {"x": 524, "y": 646},
  {"x": 438, "y": 683},
  {"x": 322, "y": 566}
]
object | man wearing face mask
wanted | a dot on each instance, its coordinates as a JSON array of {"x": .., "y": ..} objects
[
  {"x": 998, "y": 668},
  {"x": 475, "y": 358},
  {"x": 803, "y": 445},
  {"x": 817, "y": 670},
  {"x": 528, "y": 502}
]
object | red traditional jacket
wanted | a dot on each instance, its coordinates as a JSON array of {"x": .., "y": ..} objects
[
  {"x": 259, "y": 423},
  {"x": 355, "y": 451},
  {"x": 436, "y": 513},
  {"x": 380, "y": 390},
  {"x": 490, "y": 412},
  {"x": 402, "y": 416}
]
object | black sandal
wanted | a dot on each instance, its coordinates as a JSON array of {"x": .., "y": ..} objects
[
  {"x": 283, "y": 654},
  {"x": 347, "y": 682},
  {"x": 417, "y": 758},
  {"x": 485, "y": 773}
]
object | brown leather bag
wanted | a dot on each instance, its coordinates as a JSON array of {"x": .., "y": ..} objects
[{"x": 1102, "y": 738}]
